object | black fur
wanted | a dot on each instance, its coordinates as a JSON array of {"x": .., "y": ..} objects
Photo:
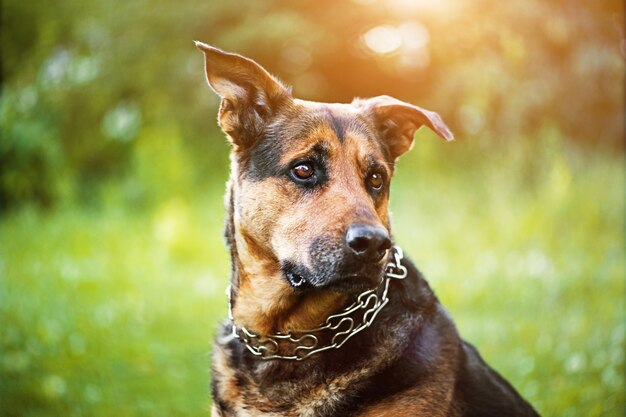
[{"x": 339, "y": 124}]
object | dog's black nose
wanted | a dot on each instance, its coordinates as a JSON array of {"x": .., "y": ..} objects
[{"x": 369, "y": 243}]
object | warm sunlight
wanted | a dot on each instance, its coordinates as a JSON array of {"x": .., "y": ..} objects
[
  {"x": 383, "y": 39},
  {"x": 408, "y": 40}
]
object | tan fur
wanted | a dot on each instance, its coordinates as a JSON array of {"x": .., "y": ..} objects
[
  {"x": 272, "y": 222},
  {"x": 228, "y": 389},
  {"x": 415, "y": 402}
]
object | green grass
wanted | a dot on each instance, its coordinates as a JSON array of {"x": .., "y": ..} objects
[{"x": 111, "y": 312}]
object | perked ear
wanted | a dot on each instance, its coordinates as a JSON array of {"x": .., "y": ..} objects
[
  {"x": 250, "y": 95},
  {"x": 398, "y": 121}
]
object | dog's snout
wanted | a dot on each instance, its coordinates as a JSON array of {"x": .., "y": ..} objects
[{"x": 367, "y": 242}]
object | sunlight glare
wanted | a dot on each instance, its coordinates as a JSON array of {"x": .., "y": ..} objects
[
  {"x": 383, "y": 39},
  {"x": 406, "y": 8},
  {"x": 414, "y": 36}
]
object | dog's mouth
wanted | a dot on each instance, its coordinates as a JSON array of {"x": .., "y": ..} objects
[
  {"x": 301, "y": 279},
  {"x": 354, "y": 283}
]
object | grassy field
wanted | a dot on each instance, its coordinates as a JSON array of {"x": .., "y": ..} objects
[{"x": 111, "y": 311}]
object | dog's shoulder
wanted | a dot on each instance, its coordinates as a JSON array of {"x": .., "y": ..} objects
[
  {"x": 438, "y": 362},
  {"x": 484, "y": 392}
]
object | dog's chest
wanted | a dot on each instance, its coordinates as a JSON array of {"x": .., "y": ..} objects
[
  {"x": 317, "y": 403},
  {"x": 267, "y": 390},
  {"x": 308, "y": 396},
  {"x": 328, "y": 385}
]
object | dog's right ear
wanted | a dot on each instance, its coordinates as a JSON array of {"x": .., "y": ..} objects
[{"x": 250, "y": 95}]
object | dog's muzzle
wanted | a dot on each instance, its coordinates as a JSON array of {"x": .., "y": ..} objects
[
  {"x": 349, "y": 279},
  {"x": 351, "y": 265}
]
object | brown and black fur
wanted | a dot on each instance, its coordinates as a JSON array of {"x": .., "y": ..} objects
[{"x": 411, "y": 361}]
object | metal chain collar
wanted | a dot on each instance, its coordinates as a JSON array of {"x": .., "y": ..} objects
[{"x": 369, "y": 303}]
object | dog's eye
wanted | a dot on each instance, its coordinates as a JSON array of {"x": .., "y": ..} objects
[
  {"x": 303, "y": 171},
  {"x": 375, "y": 181}
]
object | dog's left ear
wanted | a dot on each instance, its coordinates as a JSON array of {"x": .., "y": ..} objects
[
  {"x": 397, "y": 121},
  {"x": 250, "y": 95}
]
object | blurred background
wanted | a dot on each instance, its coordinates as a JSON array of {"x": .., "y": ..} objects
[{"x": 112, "y": 170}]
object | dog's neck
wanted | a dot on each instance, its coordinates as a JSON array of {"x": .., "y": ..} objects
[{"x": 263, "y": 301}]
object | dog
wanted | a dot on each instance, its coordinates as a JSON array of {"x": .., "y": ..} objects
[{"x": 326, "y": 316}]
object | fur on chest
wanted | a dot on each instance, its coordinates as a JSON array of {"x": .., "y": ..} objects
[{"x": 329, "y": 385}]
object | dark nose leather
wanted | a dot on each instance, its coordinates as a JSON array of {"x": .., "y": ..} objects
[{"x": 367, "y": 242}]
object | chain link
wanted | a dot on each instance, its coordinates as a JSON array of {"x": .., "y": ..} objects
[{"x": 342, "y": 324}]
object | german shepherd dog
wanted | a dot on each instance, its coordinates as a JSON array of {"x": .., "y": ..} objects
[{"x": 327, "y": 317}]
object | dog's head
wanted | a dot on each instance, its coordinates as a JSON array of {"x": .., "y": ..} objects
[{"x": 310, "y": 181}]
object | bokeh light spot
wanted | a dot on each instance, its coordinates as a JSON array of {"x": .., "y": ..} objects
[
  {"x": 414, "y": 36},
  {"x": 383, "y": 39},
  {"x": 53, "y": 386},
  {"x": 123, "y": 122}
]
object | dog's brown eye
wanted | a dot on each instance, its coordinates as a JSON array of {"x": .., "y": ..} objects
[
  {"x": 375, "y": 181},
  {"x": 303, "y": 171}
]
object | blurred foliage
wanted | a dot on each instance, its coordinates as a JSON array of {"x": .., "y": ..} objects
[
  {"x": 85, "y": 82},
  {"x": 112, "y": 171}
]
